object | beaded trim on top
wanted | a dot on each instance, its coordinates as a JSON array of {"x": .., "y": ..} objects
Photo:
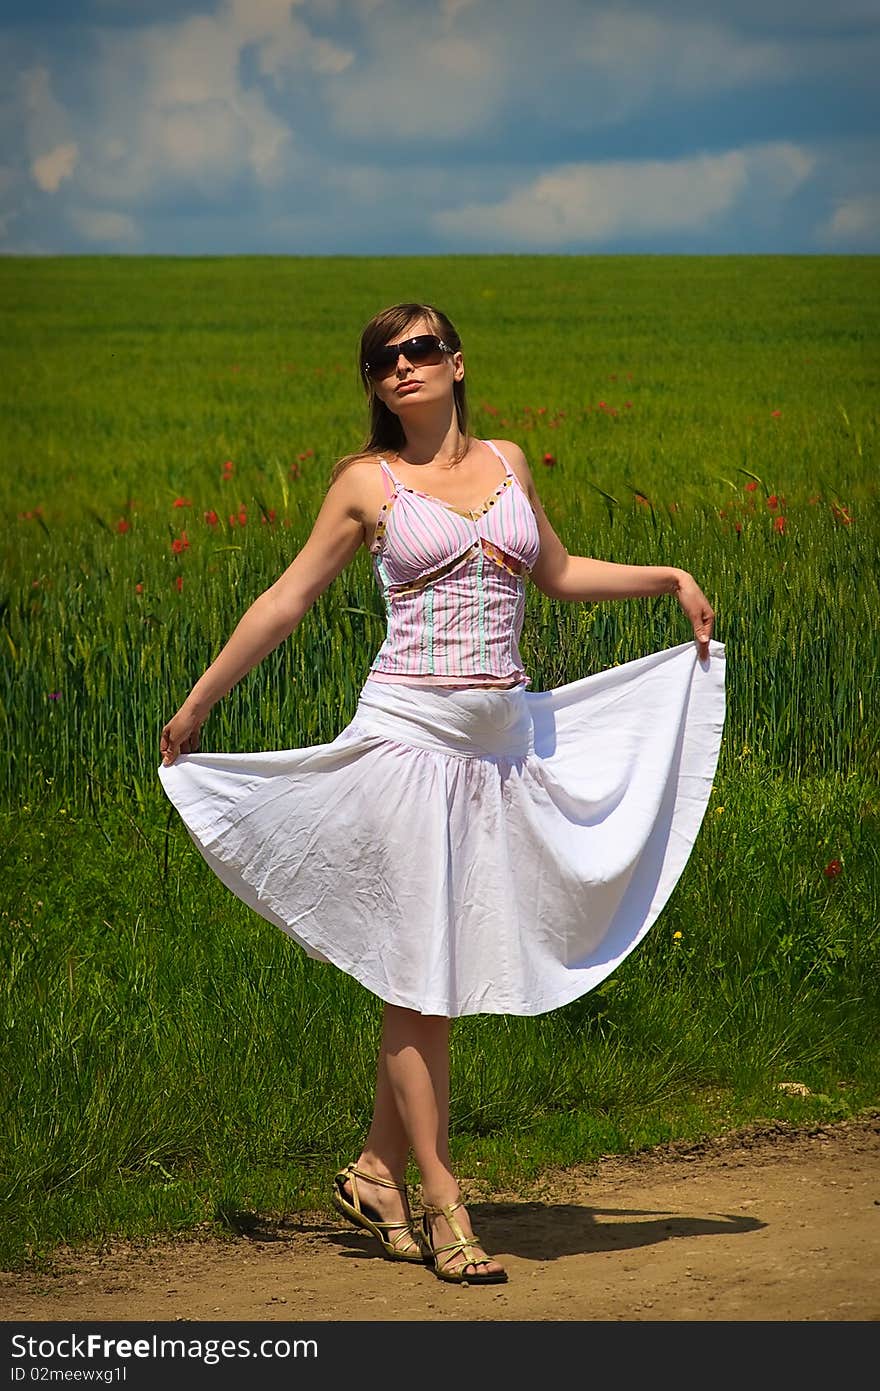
[
  {"x": 379, "y": 534},
  {"x": 471, "y": 513}
]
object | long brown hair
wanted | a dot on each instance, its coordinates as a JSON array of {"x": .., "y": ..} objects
[{"x": 386, "y": 432}]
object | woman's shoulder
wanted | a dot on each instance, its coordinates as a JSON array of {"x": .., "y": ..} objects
[
  {"x": 517, "y": 461},
  {"x": 359, "y": 466},
  {"x": 357, "y": 481}
]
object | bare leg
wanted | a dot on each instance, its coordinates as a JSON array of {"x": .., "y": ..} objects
[
  {"x": 385, "y": 1152},
  {"x": 412, "y": 1108}
]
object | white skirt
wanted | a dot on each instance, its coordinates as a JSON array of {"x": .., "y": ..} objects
[{"x": 470, "y": 851}]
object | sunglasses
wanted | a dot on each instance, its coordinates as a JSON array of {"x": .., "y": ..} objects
[{"x": 425, "y": 350}]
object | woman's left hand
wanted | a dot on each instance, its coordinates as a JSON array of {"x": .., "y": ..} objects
[{"x": 698, "y": 610}]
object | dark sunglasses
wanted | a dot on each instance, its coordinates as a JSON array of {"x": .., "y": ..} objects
[{"x": 425, "y": 350}]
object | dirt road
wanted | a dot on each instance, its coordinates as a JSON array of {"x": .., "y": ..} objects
[{"x": 770, "y": 1224}]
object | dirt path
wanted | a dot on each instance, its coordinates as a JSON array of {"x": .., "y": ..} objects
[{"x": 769, "y": 1224}]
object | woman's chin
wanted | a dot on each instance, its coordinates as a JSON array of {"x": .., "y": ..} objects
[{"x": 403, "y": 405}]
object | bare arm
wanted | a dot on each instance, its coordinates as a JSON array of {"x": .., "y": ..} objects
[
  {"x": 578, "y": 577},
  {"x": 335, "y": 538}
]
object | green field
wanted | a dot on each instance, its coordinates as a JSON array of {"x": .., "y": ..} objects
[{"x": 172, "y": 1059}]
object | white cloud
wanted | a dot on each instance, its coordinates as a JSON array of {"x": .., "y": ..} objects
[
  {"x": 451, "y": 8},
  {"x": 173, "y": 97},
  {"x": 679, "y": 54},
  {"x": 418, "y": 85},
  {"x": 49, "y": 170},
  {"x": 249, "y": 115},
  {"x": 103, "y": 224},
  {"x": 448, "y": 70},
  {"x": 588, "y": 203},
  {"x": 856, "y": 221},
  {"x": 46, "y": 121},
  {"x": 47, "y": 130}
]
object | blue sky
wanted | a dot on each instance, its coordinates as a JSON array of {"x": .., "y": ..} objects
[{"x": 406, "y": 127}]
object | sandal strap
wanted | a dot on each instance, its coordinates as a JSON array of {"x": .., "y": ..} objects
[
  {"x": 407, "y": 1231},
  {"x": 463, "y": 1242},
  {"x": 372, "y": 1178},
  {"x": 389, "y": 1226},
  {"x": 352, "y": 1172},
  {"x": 445, "y": 1211}
]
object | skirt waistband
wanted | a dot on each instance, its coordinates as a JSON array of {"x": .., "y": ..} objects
[{"x": 469, "y": 722}]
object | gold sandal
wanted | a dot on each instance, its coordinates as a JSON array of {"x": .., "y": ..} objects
[
  {"x": 361, "y": 1215},
  {"x": 457, "y": 1276}
]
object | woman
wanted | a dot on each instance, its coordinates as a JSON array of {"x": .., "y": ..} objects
[{"x": 464, "y": 845}]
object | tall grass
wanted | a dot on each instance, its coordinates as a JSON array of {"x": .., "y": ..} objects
[{"x": 172, "y": 1057}]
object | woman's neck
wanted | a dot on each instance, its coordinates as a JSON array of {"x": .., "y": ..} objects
[{"x": 443, "y": 447}]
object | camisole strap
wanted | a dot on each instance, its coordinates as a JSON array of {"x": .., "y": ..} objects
[
  {"x": 497, "y": 451},
  {"x": 386, "y": 475}
]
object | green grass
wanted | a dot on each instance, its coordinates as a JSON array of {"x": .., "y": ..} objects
[{"x": 173, "y": 1059}]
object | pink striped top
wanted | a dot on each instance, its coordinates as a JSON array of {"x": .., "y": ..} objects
[{"x": 453, "y": 584}]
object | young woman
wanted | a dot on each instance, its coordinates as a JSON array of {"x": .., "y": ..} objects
[{"x": 464, "y": 845}]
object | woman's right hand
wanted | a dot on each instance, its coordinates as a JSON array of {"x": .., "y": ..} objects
[{"x": 180, "y": 735}]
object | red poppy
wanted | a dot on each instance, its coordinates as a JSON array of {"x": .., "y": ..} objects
[
  {"x": 211, "y": 518},
  {"x": 182, "y": 502},
  {"x": 750, "y": 487},
  {"x": 737, "y": 526},
  {"x": 777, "y": 414},
  {"x": 242, "y": 516},
  {"x": 832, "y": 869},
  {"x": 179, "y": 583},
  {"x": 549, "y": 461},
  {"x": 841, "y": 514},
  {"x": 773, "y": 500},
  {"x": 122, "y": 526},
  {"x": 138, "y": 589},
  {"x": 779, "y": 524}
]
